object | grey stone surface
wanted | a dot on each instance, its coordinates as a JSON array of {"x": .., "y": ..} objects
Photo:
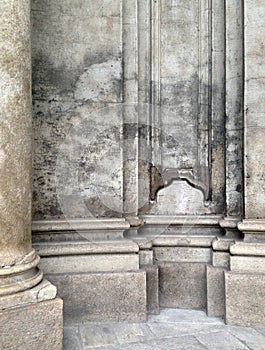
[
  {"x": 43, "y": 291},
  {"x": 113, "y": 296},
  {"x": 89, "y": 263},
  {"x": 252, "y": 264},
  {"x": 221, "y": 259},
  {"x": 88, "y": 59},
  {"x": 37, "y": 326},
  {"x": 182, "y": 254},
  {"x": 245, "y": 299},
  {"x": 72, "y": 339},
  {"x": 96, "y": 335},
  {"x": 146, "y": 257},
  {"x": 152, "y": 289},
  {"x": 249, "y": 336},
  {"x": 16, "y": 119},
  {"x": 172, "y": 329},
  {"x": 254, "y": 11},
  {"x": 249, "y": 248},
  {"x": 215, "y": 291},
  {"x": 182, "y": 285},
  {"x": 221, "y": 340},
  {"x": 18, "y": 261}
]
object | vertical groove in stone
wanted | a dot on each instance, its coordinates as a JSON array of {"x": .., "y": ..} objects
[
  {"x": 15, "y": 131},
  {"x": 144, "y": 106},
  {"x": 234, "y": 108},
  {"x": 204, "y": 98},
  {"x": 130, "y": 102},
  {"x": 218, "y": 102},
  {"x": 155, "y": 97}
]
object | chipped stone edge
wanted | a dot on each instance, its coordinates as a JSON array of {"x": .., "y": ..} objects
[{"x": 42, "y": 292}]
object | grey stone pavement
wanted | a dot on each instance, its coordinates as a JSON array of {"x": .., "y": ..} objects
[{"x": 172, "y": 329}]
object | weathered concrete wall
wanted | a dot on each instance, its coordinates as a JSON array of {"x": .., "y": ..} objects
[
  {"x": 119, "y": 87},
  {"x": 77, "y": 69}
]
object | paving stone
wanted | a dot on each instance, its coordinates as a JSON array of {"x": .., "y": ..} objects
[
  {"x": 221, "y": 340},
  {"x": 249, "y": 336},
  {"x": 71, "y": 339},
  {"x": 260, "y": 330},
  {"x": 132, "y": 332},
  {"x": 181, "y": 343},
  {"x": 94, "y": 335},
  {"x": 172, "y": 329},
  {"x": 162, "y": 330}
]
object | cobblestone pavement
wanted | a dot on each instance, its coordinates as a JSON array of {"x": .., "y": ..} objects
[{"x": 172, "y": 329}]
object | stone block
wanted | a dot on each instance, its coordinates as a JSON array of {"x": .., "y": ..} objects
[
  {"x": 182, "y": 285},
  {"x": 35, "y": 327},
  {"x": 245, "y": 299},
  {"x": 221, "y": 259},
  {"x": 42, "y": 292},
  {"x": 152, "y": 286},
  {"x": 182, "y": 254},
  {"x": 252, "y": 264},
  {"x": 145, "y": 257},
  {"x": 215, "y": 291},
  {"x": 117, "y": 296},
  {"x": 89, "y": 263}
]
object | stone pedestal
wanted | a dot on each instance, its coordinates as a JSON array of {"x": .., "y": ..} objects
[
  {"x": 24, "y": 298},
  {"x": 36, "y": 326},
  {"x": 245, "y": 284}
]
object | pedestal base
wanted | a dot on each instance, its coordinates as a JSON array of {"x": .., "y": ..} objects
[
  {"x": 36, "y": 327},
  {"x": 245, "y": 299}
]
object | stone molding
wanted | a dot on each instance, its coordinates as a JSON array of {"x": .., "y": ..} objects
[{"x": 79, "y": 224}]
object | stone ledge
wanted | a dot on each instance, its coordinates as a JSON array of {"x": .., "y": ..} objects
[
  {"x": 182, "y": 255},
  {"x": 89, "y": 263},
  {"x": 222, "y": 244},
  {"x": 252, "y": 226},
  {"x": 183, "y": 241},
  {"x": 79, "y": 224},
  {"x": 247, "y": 264},
  {"x": 248, "y": 249},
  {"x": 81, "y": 248},
  {"x": 196, "y": 220}
]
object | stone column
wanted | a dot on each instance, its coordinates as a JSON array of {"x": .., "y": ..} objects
[
  {"x": 18, "y": 261},
  {"x": 245, "y": 283},
  {"x": 20, "y": 279}
]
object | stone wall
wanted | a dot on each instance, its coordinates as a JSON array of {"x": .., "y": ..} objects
[
  {"x": 148, "y": 139},
  {"x": 123, "y": 90}
]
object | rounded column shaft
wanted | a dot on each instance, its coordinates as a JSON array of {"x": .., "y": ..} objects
[{"x": 18, "y": 261}]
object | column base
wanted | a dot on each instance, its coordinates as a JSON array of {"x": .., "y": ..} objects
[
  {"x": 36, "y": 326},
  {"x": 42, "y": 292}
]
